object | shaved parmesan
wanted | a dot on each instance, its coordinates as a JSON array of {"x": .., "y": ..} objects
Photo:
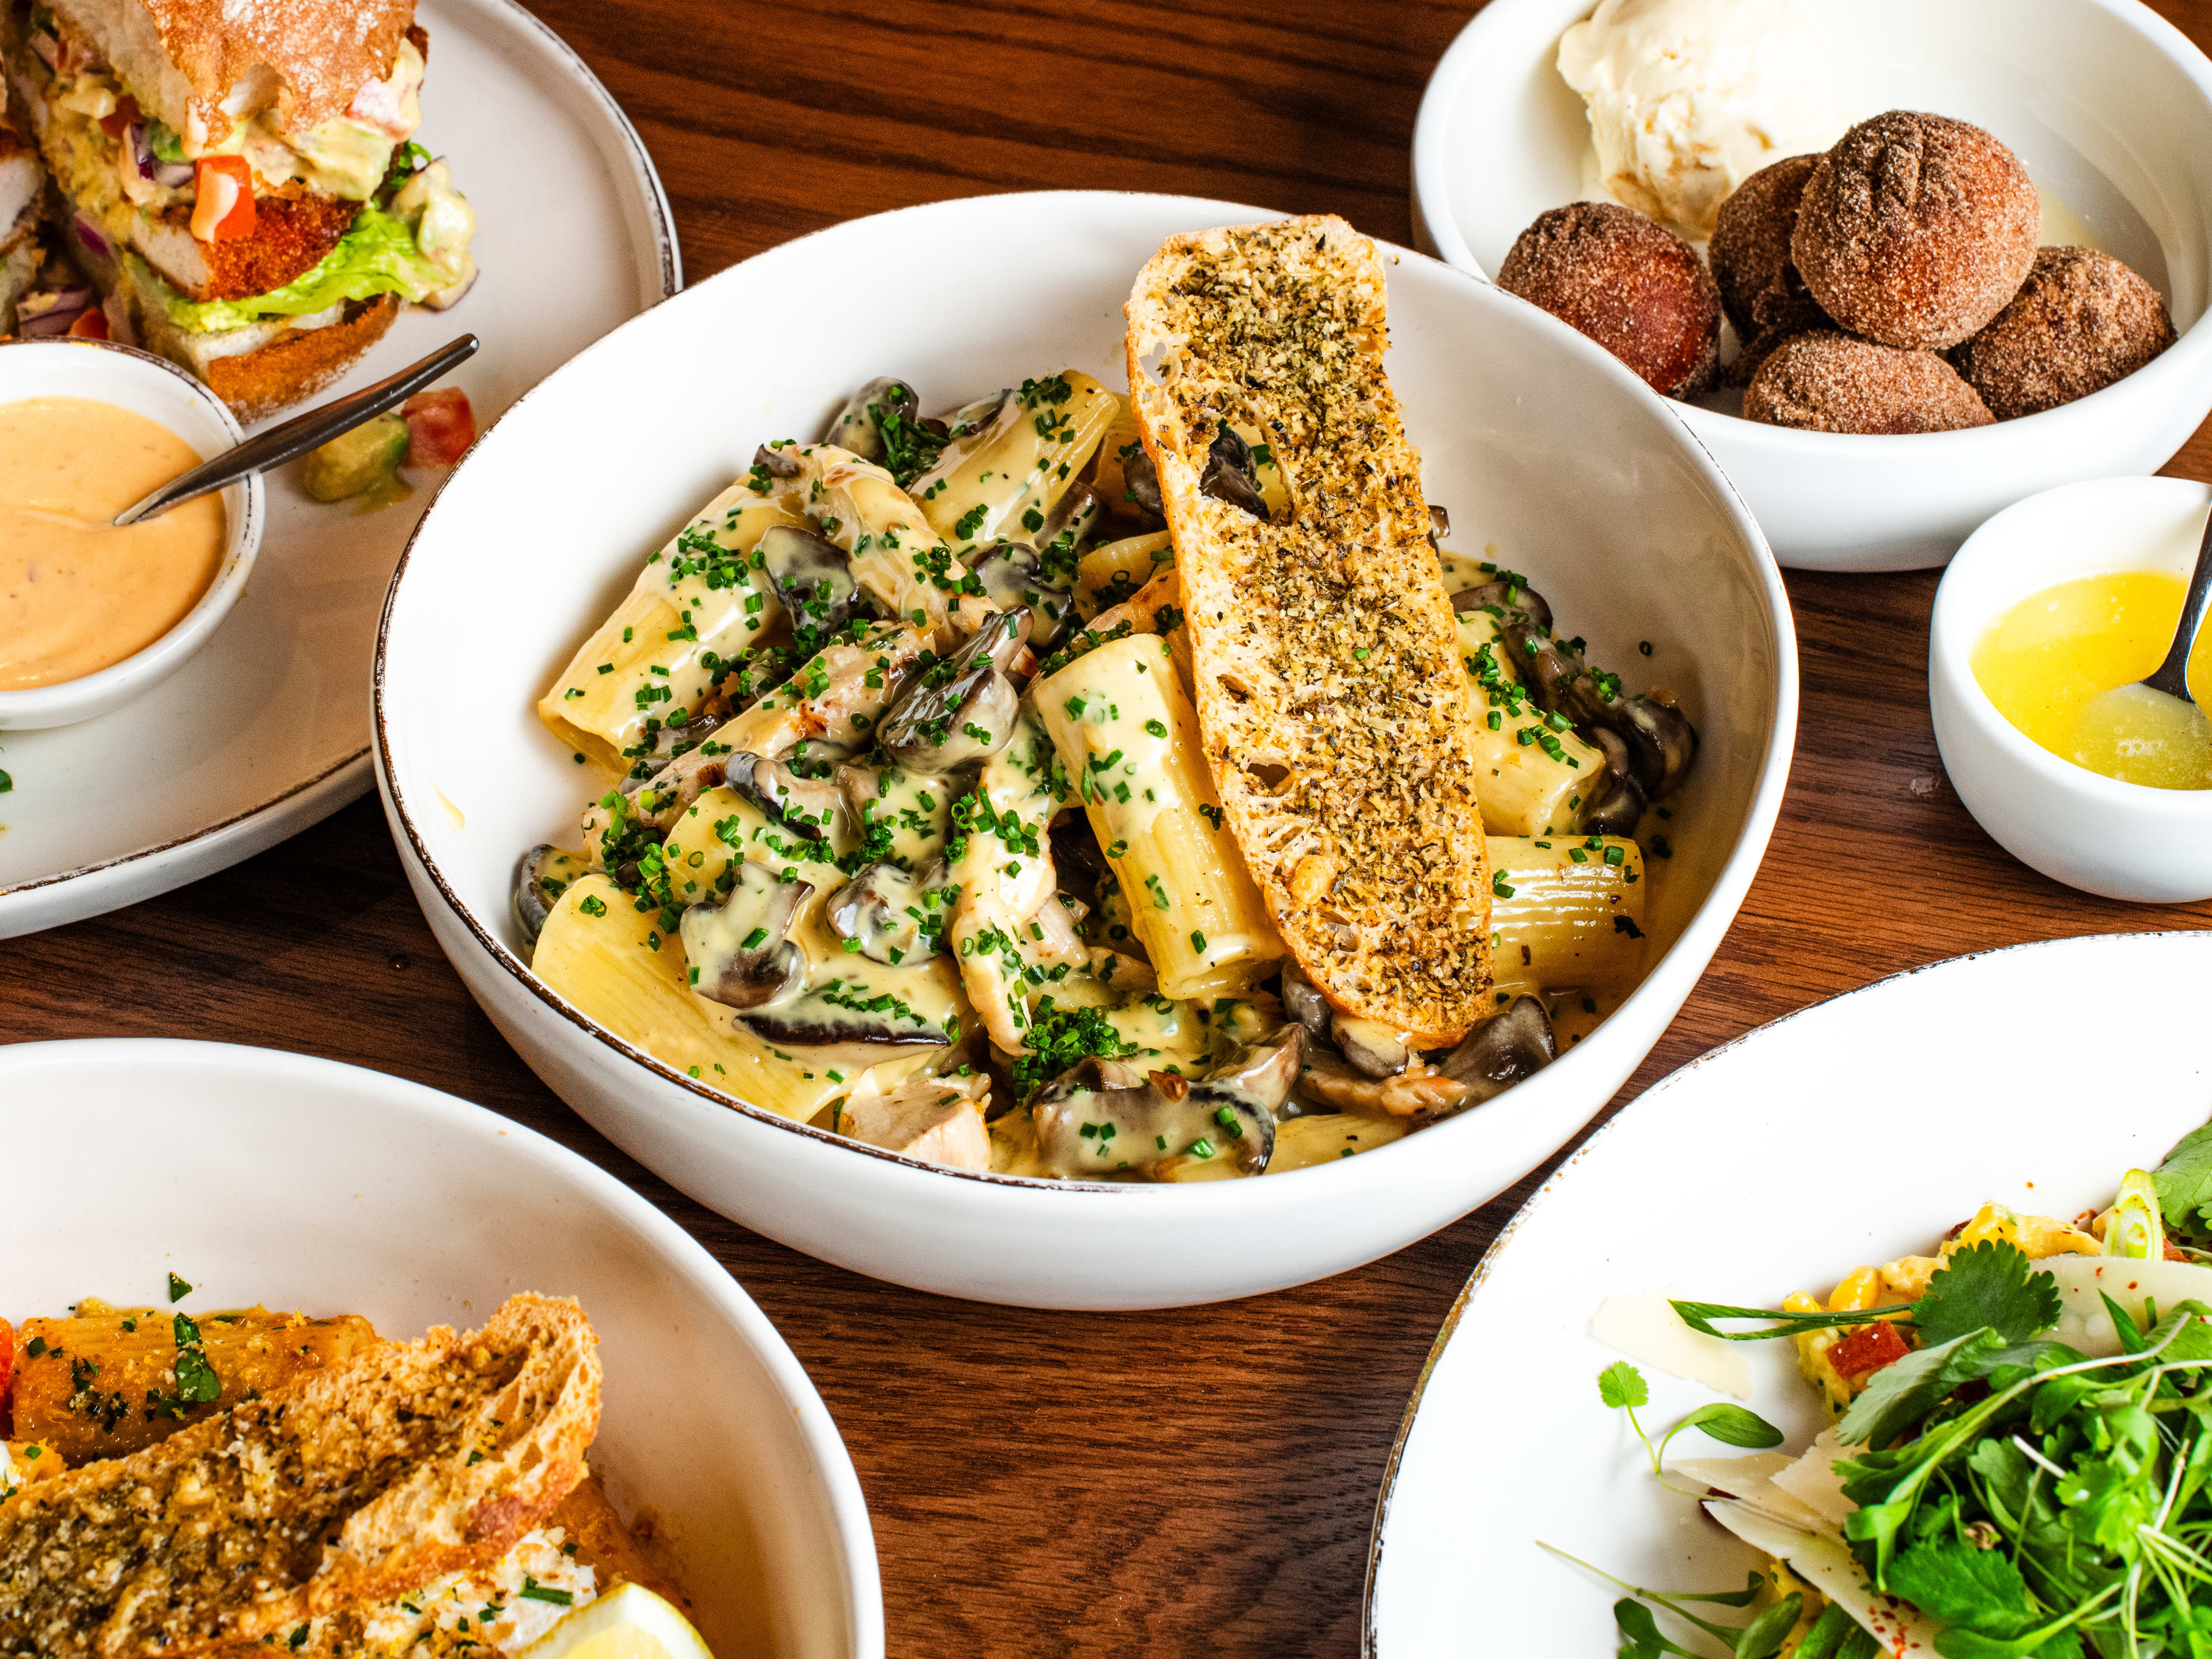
[
  {"x": 1812, "y": 1480},
  {"x": 1642, "y": 1325},
  {"x": 1822, "y": 1561},
  {"x": 2083, "y": 1322}
]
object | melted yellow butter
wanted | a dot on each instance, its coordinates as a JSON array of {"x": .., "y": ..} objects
[{"x": 2051, "y": 663}]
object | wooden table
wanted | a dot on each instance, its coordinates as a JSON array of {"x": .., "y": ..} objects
[{"x": 1195, "y": 1481}]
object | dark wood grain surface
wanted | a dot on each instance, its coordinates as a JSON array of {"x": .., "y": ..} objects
[{"x": 1199, "y": 1481}]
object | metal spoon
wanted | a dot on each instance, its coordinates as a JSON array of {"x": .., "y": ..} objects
[
  {"x": 2172, "y": 675},
  {"x": 301, "y": 434}
]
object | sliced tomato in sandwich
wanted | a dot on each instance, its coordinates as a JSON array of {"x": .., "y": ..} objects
[
  {"x": 91, "y": 323},
  {"x": 441, "y": 427},
  {"x": 224, "y": 208}
]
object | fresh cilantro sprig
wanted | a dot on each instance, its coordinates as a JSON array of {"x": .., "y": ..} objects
[
  {"x": 1990, "y": 1285},
  {"x": 1622, "y": 1388}
]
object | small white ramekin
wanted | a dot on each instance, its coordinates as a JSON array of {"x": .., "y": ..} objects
[
  {"x": 2122, "y": 841},
  {"x": 160, "y": 391}
]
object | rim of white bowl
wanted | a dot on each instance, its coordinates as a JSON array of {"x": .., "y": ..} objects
[
  {"x": 682, "y": 1253},
  {"x": 1652, "y": 1099},
  {"x": 2183, "y": 364},
  {"x": 1952, "y": 638},
  {"x": 1712, "y": 917},
  {"x": 207, "y": 612}
]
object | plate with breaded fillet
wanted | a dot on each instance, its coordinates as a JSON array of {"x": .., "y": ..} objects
[
  {"x": 354, "y": 1366},
  {"x": 1159, "y": 768},
  {"x": 290, "y": 202}
]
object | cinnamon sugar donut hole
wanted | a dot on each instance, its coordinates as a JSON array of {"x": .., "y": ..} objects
[
  {"x": 1750, "y": 248},
  {"x": 1634, "y": 287},
  {"x": 1761, "y": 289},
  {"x": 1825, "y": 381},
  {"x": 2081, "y": 321},
  {"x": 1916, "y": 230}
]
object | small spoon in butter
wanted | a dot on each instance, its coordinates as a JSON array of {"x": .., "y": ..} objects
[{"x": 2157, "y": 720}]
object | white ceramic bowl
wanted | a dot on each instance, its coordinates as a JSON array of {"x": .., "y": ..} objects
[
  {"x": 275, "y": 1178},
  {"x": 157, "y": 389},
  {"x": 2109, "y": 106},
  {"x": 2124, "y": 841},
  {"x": 1539, "y": 443}
]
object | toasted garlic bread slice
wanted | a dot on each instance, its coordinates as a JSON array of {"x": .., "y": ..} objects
[
  {"x": 413, "y": 1460},
  {"x": 1330, "y": 693}
]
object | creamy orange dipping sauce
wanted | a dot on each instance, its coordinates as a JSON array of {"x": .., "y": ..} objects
[{"x": 76, "y": 594}]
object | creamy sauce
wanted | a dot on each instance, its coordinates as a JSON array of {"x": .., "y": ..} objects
[
  {"x": 2055, "y": 663},
  {"x": 77, "y": 595}
]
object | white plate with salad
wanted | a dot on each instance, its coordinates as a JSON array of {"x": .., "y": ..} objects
[
  {"x": 266, "y": 730},
  {"x": 1926, "y": 1191}
]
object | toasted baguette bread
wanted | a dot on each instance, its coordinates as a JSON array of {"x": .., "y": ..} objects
[
  {"x": 416, "y": 1460},
  {"x": 1331, "y": 698}
]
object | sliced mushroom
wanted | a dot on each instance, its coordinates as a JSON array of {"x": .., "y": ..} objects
[
  {"x": 812, "y": 577},
  {"x": 1506, "y": 596},
  {"x": 1613, "y": 805},
  {"x": 1328, "y": 1084},
  {"x": 1372, "y": 1048},
  {"x": 1079, "y": 508},
  {"x": 740, "y": 947},
  {"x": 779, "y": 461},
  {"x": 824, "y": 1021},
  {"x": 1140, "y": 482},
  {"x": 1303, "y": 1000},
  {"x": 859, "y": 426},
  {"x": 1662, "y": 743},
  {"x": 809, "y": 808},
  {"x": 1231, "y": 473},
  {"x": 1014, "y": 577},
  {"x": 962, "y": 709},
  {"x": 1106, "y": 1120},
  {"x": 1439, "y": 524},
  {"x": 1505, "y": 1048},
  {"x": 540, "y": 879},
  {"x": 881, "y": 911}
]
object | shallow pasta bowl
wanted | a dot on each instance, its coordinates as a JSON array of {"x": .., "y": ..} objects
[
  {"x": 1538, "y": 441},
  {"x": 2107, "y": 104},
  {"x": 277, "y": 1179}
]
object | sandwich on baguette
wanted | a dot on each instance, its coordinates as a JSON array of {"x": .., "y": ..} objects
[{"x": 238, "y": 177}]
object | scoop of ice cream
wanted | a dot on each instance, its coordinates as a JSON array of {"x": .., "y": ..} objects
[{"x": 1689, "y": 98}]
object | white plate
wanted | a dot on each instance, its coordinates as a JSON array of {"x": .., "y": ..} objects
[
  {"x": 275, "y": 1178},
  {"x": 1855, "y": 1132},
  {"x": 266, "y": 730},
  {"x": 2108, "y": 104},
  {"x": 1541, "y": 444}
]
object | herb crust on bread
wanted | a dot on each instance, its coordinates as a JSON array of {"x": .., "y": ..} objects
[
  {"x": 416, "y": 1460},
  {"x": 1331, "y": 698}
]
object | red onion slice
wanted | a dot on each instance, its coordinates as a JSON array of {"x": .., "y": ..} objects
[
  {"x": 141, "y": 152},
  {"x": 95, "y": 242},
  {"x": 46, "y": 311}
]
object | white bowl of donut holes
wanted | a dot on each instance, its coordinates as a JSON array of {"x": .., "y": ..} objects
[{"x": 2103, "y": 105}]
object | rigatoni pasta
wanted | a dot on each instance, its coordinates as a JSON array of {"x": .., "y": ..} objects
[{"x": 909, "y": 828}]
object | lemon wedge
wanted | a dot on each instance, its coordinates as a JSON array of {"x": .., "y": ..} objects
[{"x": 628, "y": 1622}]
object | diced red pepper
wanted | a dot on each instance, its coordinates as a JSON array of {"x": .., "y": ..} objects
[
  {"x": 441, "y": 427},
  {"x": 125, "y": 114},
  {"x": 1867, "y": 1349},
  {"x": 91, "y": 323},
  {"x": 224, "y": 210}
]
